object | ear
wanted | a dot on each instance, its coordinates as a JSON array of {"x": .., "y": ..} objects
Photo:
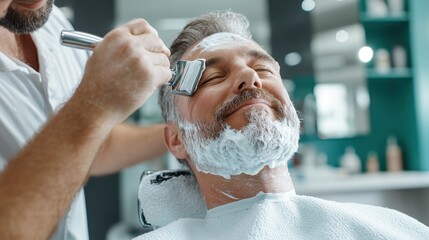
[{"x": 174, "y": 142}]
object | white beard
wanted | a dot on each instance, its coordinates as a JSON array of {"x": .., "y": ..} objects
[{"x": 263, "y": 142}]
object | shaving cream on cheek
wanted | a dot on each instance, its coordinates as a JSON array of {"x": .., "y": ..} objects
[{"x": 219, "y": 41}]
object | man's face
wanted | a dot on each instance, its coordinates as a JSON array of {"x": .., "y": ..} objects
[
  {"x": 239, "y": 75},
  {"x": 240, "y": 119},
  {"x": 24, "y": 16}
]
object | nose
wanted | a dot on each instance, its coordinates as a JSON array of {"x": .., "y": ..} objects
[{"x": 247, "y": 79}]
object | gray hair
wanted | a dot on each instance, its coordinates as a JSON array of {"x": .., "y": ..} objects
[{"x": 195, "y": 31}]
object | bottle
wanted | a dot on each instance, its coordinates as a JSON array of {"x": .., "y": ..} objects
[
  {"x": 377, "y": 7},
  {"x": 310, "y": 114},
  {"x": 350, "y": 162},
  {"x": 396, "y": 7},
  {"x": 382, "y": 60},
  {"x": 393, "y": 155},
  {"x": 399, "y": 56},
  {"x": 372, "y": 163}
]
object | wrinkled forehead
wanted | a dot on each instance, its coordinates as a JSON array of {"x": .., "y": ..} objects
[{"x": 218, "y": 41}]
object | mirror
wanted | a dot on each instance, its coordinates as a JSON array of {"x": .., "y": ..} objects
[
  {"x": 319, "y": 41},
  {"x": 341, "y": 96}
]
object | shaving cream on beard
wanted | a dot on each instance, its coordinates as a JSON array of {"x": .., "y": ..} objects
[{"x": 263, "y": 142}]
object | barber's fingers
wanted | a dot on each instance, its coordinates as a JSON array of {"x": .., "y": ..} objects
[
  {"x": 157, "y": 66},
  {"x": 155, "y": 59},
  {"x": 163, "y": 74},
  {"x": 151, "y": 43},
  {"x": 140, "y": 28}
]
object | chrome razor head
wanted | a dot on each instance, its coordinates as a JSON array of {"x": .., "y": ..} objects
[{"x": 186, "y": 76}]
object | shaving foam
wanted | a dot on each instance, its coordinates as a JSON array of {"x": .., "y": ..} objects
[
  {"x": 229, "y": 195},
  {"x": 263, "y": 142},
  {"x": 218, "y": 41}
]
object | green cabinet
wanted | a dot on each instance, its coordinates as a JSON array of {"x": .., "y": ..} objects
[
  {"x": 399, "y": 97},
  {"x": 398, "y": 94}
]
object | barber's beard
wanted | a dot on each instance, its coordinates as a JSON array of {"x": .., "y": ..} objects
[
  {"x": 225, "y": 151},
  {"x": 24, "y": 22}
]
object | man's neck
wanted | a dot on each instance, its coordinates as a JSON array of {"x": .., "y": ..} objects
[
  {"x": 20, "y": 47},
  {"x": 218, "y": 191}
]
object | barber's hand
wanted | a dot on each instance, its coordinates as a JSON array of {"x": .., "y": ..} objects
[{"x": 125, "y": 69}]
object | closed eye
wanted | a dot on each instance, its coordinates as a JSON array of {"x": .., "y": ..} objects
[
  {"x": 263, "y": 71},
  {"x": 263, "y": 68},
  {"x": 213, "y": 77}
]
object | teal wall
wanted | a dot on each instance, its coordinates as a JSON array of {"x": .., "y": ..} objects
[{"x": 420, "y": 47}]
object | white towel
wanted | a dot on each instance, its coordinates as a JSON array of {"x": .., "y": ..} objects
[
  {"x": 290, "y": 216},
  {"x": 164, "y": 200}
]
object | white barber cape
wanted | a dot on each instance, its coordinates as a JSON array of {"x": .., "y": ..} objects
[
  {"x": 291, "y": 216},
  {"x": 28, "y": 98}
]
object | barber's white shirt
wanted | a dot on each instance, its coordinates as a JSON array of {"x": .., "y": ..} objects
[{"x": 29, "y": 98}]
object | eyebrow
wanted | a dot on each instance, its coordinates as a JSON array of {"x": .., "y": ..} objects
[
  {"x": 252, "y": 53},
  {"x": 214, "y": 61},
  {"x": 261, "y": 55}
]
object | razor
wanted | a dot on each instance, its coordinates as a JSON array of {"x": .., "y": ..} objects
[{"x": 185, "y": 75}]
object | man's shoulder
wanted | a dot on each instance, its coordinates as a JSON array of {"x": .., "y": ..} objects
[
  {"x": 318, "y": 205},
  {"x": 365, "y": 220}
]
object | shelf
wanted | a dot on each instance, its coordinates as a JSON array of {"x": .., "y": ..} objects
[
  {"x": 364, "y": 182},
  {"x": 390, "y": 74},
  {"x": 390, "y": 18}
]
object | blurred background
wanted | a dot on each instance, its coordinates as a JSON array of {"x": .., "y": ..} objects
[{"x": 356, "y": 72}]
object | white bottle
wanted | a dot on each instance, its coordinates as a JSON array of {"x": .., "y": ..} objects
[
  {"x": 350, "y": 162},
  {"x": 377, "y": 7},
  {"x": 382, "y": 60},
  {"x": 393, "y": 155}
]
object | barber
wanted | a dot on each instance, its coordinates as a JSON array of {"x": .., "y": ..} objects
[{"x": 61, "y": 114}]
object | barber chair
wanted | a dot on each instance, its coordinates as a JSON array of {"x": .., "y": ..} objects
[{"x": 168, "y": 195}]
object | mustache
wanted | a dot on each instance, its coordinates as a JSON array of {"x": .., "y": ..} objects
[{"x": 246, "y": 95}]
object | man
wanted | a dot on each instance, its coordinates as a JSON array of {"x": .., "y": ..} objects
[
  {"x": 237, "y": 133},
  {"x": 66, "y": 119}
]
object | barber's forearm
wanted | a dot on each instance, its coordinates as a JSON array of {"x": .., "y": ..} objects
[
  {"x": 128, "y": 145},
  {"x": 39, "y": 184}
]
